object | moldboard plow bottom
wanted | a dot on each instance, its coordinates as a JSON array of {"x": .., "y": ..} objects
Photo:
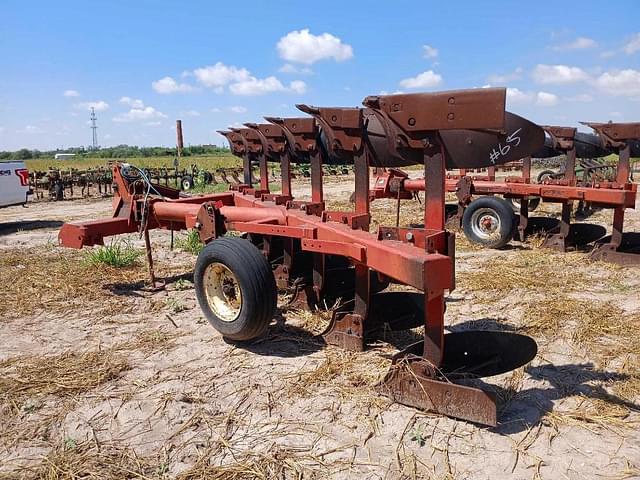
[{"x": 299, "y": 247}]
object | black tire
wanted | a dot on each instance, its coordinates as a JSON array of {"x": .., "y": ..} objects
[
  {"x": 254, "y": 279},
  {"x": 59, "y": 191},
  {"x": 545, "y": 175},
  {"x": 489, "y": 221},
  {"x": 534, "y": 202},
  {"x": 186, "y": 182}
]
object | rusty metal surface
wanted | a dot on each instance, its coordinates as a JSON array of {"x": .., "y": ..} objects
[
  {"x": 301, "y": 133},
  {"x": 417, "y": 113},
  {"x": 464, "y": 148},
  {"x": 408, "y": 382}
]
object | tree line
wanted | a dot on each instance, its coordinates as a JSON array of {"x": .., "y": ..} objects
[{"x": 120, "y": 151}]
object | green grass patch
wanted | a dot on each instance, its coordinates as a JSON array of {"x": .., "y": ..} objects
[
  {"x": 274, "y": 187},
  {"x": 118, "y": 254},
  {"x": 190, "y": 242}
]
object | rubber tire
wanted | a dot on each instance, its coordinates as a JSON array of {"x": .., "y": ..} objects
[
  {"x": 186, "y": 182},
  {"x": 257, "y": 284},
  {"x": 504, "y": 212},
  {"x": 534, "y": 202},
  {"x": 59, "y": 192},
  {"x": 543, "y": 174}
]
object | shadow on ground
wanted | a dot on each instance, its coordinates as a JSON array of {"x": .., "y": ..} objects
[{"x": 27, "y": 225}]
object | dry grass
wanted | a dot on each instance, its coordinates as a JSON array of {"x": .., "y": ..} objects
[
  {"x": 63, "y": 375},
  {"x": 538, "y": 270},
  {"x": 590, "y": 319},
  {"x": 58, "y": 281},
  {"x": 278, "y": 463},
  {"x": 348, "y": 373},
  {"x": 602, "y": 327},
  {"x": 89, "y": 461},
  {"x": 151, "y": 340},
  {"x": 314, "y": 322},
  {"x": 592, "y": 412}
]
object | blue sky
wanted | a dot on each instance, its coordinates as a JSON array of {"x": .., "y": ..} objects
[{"x": 143, "y": 64}]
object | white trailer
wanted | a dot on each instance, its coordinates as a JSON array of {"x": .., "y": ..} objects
[{"x": 14, "y": 184}]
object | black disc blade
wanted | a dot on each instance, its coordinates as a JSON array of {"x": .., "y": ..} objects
[
  {"x": 476, "y": 149},
  {"x": 399, "y": 310},
  {"x": 484, "y": 353}
]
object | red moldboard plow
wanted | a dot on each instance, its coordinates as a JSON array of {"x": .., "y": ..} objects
[
  {"x": 298, "y": 245},
  {"x": 617, "y": 194}
]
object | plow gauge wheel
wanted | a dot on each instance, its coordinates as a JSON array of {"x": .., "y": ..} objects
[{"x": 235, "y": 288}]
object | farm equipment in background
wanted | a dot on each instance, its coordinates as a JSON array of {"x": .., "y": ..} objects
[
  {"x": 317, "y": 254},
  {"x": 489, "y": 220},
  {"x": 58, "y": 184}
]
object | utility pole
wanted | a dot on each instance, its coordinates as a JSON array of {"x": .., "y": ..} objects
[{"x": 94, "y": 129}]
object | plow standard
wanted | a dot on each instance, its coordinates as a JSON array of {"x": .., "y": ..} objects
[{"x": 318, "y": 255}]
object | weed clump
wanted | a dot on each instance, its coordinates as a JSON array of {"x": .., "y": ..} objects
[
  {"x": 190, "y": 243},
  {"x": 118, "y": 254}
]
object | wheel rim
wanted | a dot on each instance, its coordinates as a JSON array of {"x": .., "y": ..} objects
[
  {"x": 223, "y": 292},
  {"x": 485, "y": 223}
]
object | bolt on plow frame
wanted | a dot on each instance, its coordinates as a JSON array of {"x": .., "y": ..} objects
[{"x": 318, "y": 254}]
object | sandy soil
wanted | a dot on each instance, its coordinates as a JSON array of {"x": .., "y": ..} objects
[{"x": 185, "y": 403}]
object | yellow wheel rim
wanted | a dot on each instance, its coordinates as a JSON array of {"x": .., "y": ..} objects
[{"x": 223, "y": 292}]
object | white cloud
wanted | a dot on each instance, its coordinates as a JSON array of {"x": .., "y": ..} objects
[
  {"x": 581, "y": 98},
  {"x": 239, "y": 81},
  {"x": 298, "y": 86},
  {"x": 429, "y": 52},
  {"x": 633, "y": 45},
  {"x": 167, "y": 85},
  {"x": 139, "y": 114},
  {"x": 152, "y": 124},
  {"x": 558, "y": 74},
  {"x": 515, "y": 95},
  {"x": 260, "y": 86},
  {"x": 255, "y": 86},
  {"x": 579, "y": 43},
  {"x": 545, "y": 99},
  {"x": 506, "y": 78},
  {"x": 219, "y": 75},
  {"x": 216, "y": 110},
  {"x": 71, "y": 93},
  {"x": 133, "y": 103},
  {"x": 98, "y": 106},
  {"x": 237, "y": 109},
  {"x": 288, "y": 68},
  {"x": 428, "y": 79},
  {"x": 620, "y": 82},
  {"x": 303, "y": 47},
  {"x": 30, "y": 129},
  {"x": 1, "y": 129}
]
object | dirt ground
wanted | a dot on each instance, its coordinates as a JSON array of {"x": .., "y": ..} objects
[{"x": 102, "y": 378}]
